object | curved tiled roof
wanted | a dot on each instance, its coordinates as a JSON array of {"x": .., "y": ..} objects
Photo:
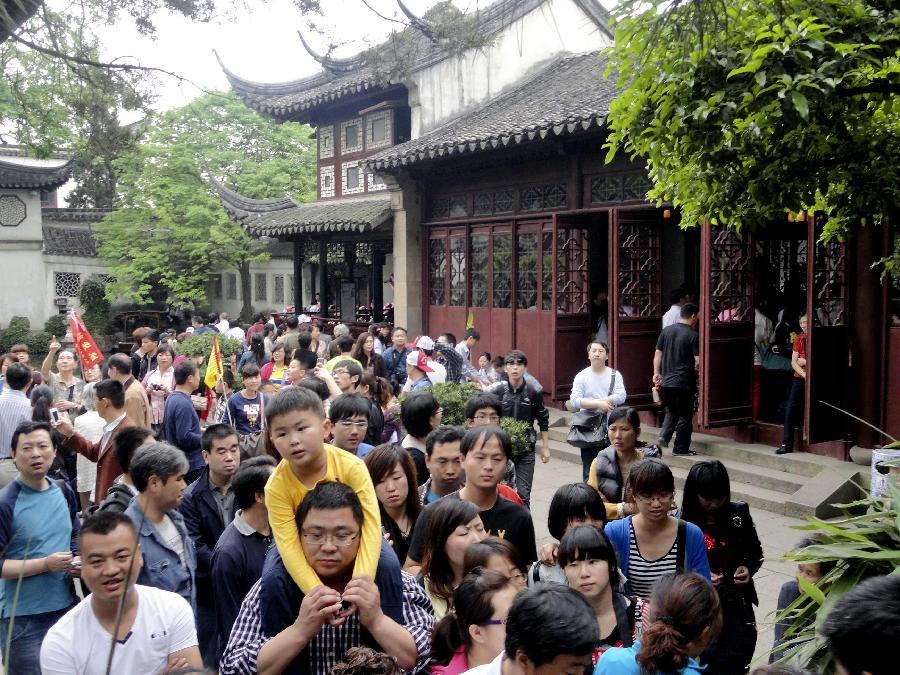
[
  {"x": 341, "y": 78},
  {"x": 75, "y": 215},
  {"x": 45, "y": 176},
  {"x": 284, "y": 216},
  {"x": 69, "y": 241},
  {"x": 567, "y": 96}
]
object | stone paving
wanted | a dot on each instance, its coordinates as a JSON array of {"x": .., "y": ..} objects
[{"x": 775, "y": 532}]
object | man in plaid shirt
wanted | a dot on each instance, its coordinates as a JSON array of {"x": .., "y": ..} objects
[{"x": 345, "y": 612}]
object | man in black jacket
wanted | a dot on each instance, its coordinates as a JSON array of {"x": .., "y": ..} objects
[
  {"x": 520, "y": 401},
  {"x": 207, "y": 508}
]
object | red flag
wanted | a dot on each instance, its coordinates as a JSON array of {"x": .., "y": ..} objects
[{"x": 88, "y": 352}]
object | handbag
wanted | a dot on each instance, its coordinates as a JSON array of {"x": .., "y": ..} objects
[
  {"x": 590, "y": 427},
  {"x": 771, "y": 360},
  {"x": 254, "y": 445}
]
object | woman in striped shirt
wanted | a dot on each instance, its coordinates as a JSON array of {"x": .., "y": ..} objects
[{"x": 652, "y": 543}]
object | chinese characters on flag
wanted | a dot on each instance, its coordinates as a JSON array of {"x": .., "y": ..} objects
[{"x": 88, "y": 352}]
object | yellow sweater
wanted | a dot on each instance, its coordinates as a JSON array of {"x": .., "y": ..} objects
[{"x": 285, "y": 492}]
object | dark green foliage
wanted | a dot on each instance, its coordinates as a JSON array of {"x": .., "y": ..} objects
[
  {"x": 198, "y": 345},
  {"x": 744, "y": 112},
  {"x": 95, "y": 306},
  {"x": 18, "y": 331},
  {"x": 57, "y": 325}
]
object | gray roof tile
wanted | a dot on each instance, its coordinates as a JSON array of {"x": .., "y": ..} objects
[{"x": 567, "y": 96}]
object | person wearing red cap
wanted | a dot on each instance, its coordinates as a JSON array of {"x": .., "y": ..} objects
[{"x": 417, "y": 370}]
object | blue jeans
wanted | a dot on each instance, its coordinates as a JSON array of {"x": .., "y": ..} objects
[{"x": 28, "y": 632}]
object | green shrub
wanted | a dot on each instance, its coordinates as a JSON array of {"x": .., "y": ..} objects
[
  {"x": 518, "y": 434},
  {"x": 198, "y": 345},
  {"x": 57, "y": 325},
  {"x": 452, "y": 398},
  {"x": 38, "y": 343},
  {"x": 17, "y": 331},
  {"x": 94, "y": 305}
]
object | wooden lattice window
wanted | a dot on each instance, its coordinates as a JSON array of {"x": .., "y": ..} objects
[
  {"x": 640, "y": 269},
  {"x": 502, "y": 271},
  {"x": 261, "y": 292},
  {"x": 572, "y": 270},
  {"x": 527, "y": 271},
  {"x": 479, "y": 275},
  {"x": 67, "y": 284},
  {"x": 437, "y": 271},
  {"x": 231, "y": 288},
  {"x": 731, "y": 277},
  {"x": 278, "y": 296}
]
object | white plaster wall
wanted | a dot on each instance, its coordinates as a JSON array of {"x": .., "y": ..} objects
[
  {"x": 271, "y": 267},
  {"x": 446, "y": 89},
  {"x": 22, "y": 278}
]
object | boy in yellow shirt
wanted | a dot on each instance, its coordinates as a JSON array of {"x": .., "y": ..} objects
[{"x": 296, "y": 425}]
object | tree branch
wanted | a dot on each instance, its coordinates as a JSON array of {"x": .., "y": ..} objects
[
  {"x": 876, "y": 87},
  {"x": 68, "y": 58}
]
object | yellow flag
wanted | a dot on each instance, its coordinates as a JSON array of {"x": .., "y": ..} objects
[
  {"x": 214, "y": 368},
  {"x": 470, "y": 320}
]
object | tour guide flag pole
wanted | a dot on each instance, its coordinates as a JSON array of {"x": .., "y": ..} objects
[
  {"x": 214, "y": 369},
  {"x": 88, "y": 352}
]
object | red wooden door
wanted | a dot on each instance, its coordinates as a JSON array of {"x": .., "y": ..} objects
[
  {"x": 726, "y": 327},
  {"x": 635, "y": 298},
  {"x": 828, "y": 342},
  {"x": 531, "y": 316},
  {"x": 572, "y": 300}
]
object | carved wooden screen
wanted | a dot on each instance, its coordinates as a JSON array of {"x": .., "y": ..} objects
[
  {"x": 726, "y": 326},
  {"x": 571, "y": 270},
  {"x": 828, "y": 345},
  {"x": 635, "y": 299}
]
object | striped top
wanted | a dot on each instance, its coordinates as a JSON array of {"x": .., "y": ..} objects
[{"x": 643, "y": 573}]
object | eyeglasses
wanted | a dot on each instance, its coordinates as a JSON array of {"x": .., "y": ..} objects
[
  {"x": 663, "y": 498},
  {"x": 495, "y": 622},
  {"x": 340, "y": 539},
  {"x": 346, "y": 424},
  {"x": 340, "y": 371},
  {"x": 489, "y": 418}
]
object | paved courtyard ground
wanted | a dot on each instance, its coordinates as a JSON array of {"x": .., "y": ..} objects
[{"x": 775, "y": 532}]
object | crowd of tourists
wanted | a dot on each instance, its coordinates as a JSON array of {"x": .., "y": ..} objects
[{"x": 312, "y": 513}]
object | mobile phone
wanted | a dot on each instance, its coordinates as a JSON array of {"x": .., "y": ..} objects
[
  {"x": 54, "y": 416},
  {"x": 320, "y": 361}
]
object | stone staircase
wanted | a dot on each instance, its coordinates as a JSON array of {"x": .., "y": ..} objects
[{"x": 797, "y": 485}]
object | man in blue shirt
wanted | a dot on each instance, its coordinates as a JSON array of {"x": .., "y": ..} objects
[
  {"x": 181, "y": 425},
  {"x": 38, "y": 535},
  {"x": 239, "y": 555},
  {"x": 170, "y": 561},
  {"x": 395, "y": 358}
]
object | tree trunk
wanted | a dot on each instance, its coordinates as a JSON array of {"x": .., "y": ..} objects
[{"x": 246, "y": 307}]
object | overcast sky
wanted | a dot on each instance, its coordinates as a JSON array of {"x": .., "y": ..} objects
[{"x": 259, "y": 44}]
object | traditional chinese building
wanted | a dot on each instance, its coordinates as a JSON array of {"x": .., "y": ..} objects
[{"x": 503, "y": 206}]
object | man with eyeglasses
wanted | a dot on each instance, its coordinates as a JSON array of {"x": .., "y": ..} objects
[
  {"x": 349, "y": 415},
  {"x": 522, "y": 402},
  {"x": 345, "y": 611}
]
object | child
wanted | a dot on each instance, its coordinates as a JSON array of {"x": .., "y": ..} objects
[
  {"x": 245, "y": 406},
  {"x": 296, "y": 427},
  {"x": 790, "y": 591}
]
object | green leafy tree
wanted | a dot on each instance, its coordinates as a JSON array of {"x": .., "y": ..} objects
[
  {"x": 743, "y": 111},
  {"x": 95, "y": 305},
  {"x": 170, "y": 231}
]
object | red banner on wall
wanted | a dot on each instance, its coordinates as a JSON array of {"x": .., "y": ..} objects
[{"x": 85, "y": 347}]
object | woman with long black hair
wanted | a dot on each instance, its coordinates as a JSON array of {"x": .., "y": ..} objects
[
  {"x": 394, "y": 477},
  {"x": 735, "y": 555}
]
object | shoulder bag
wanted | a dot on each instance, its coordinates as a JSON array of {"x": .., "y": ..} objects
[
  {"x": 590, "y": 427},
  {"x": 254, "y": 445}
]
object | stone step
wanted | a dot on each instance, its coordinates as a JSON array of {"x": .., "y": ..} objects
[
  {"x": 741, "y": 472},
  {"x": 759, "y": 494},
  {"x": 798, "y": 463}
]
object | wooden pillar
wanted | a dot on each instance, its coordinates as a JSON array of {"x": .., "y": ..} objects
[
  {"x": 298, "y": 275},
  {"x": 867, "y": 321},
  {"x": 323, "y": 277},
  {"x": 377, "y": 284}
]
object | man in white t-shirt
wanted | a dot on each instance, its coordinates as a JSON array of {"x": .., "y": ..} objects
[
  {"x": 156, "y": 633},
  {"x": 550, "y": 630}
]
